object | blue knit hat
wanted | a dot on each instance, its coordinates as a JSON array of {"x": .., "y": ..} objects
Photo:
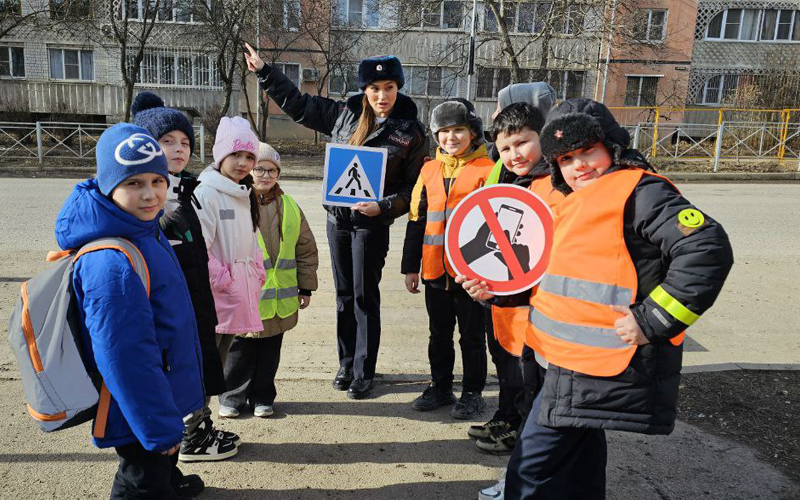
[
  {"x": 125, "y": 150},
  {"x": 377, "y": 68},
  {"x": 149, "y": 112}
]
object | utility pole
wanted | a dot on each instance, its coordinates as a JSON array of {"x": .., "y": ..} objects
[
  {"x": 608, "y": 50},
  {"x": 471, "y": 63}
]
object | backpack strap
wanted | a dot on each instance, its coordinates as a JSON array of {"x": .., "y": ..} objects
[
  {"x": 139, "y": 265},
  {"x": 130, "y": 250}
]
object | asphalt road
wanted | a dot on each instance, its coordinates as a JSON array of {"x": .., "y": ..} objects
[{"x": 324, "y": 446}]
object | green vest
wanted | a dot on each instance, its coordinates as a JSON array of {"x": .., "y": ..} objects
[
  {"x": 494, "y": 175},
  {"x": 279, "y": 295}
]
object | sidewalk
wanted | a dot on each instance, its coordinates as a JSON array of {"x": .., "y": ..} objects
[{"x": 322, "y": 445}]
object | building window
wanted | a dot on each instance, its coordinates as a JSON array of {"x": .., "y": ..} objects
[
  {"x": 491, "y": 81},
  {"x": 447, "y": 14},
  {"x": 291, "y": 70},
  {"x": 343, "y": 81},
  {"x": 284, "y": 14},
  {"x": 574, "y": 20},
  {"x": 356, "y": 13},
  {"x": 10, "y": 7},
  {"x": 12, "y": 62},
  {"x": 169, "y": 11},
  {"x": 430, "y": 81},
  {"x": 567, "y": 84},
  {"x": 63, "y": 9},
  {"x": 649, "y": 24},
  {"x": 754, "y": 24},
  {"x": 177, "y": 70},
  {"x": 641, "y": 91},
  {"x": 718, "y": 89},
  {"x": 68, "y": 64},
  {"x": 510, "y": 14}
]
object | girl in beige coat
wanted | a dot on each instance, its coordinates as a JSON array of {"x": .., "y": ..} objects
[{"x": 254, "y": 357}]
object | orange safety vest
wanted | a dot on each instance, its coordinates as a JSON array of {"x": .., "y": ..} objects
[
  {"x": 441, "y": 204},
  {"x": 590, "y": 269},
  {"x": 511, "y": 323}
]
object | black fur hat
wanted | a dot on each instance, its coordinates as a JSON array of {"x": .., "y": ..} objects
[
  {"x": 577, "y": 123},
  {"x": 377, "y": 68}
]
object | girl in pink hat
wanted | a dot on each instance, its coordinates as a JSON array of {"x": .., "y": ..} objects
[{"x": 230, "y": 220}]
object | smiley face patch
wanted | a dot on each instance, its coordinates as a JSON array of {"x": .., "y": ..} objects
[{"x": 690, "y": 220}]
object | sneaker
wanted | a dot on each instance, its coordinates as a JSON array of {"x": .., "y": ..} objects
[
  {"x": 223, "y": 435},
  {"x": 263, "y": 411},
  {"x": 189, "y": 486},
  {"x": 228, "y": 412},
  {"x": 470, "y": 405},
  {"x": 494, "y": 492},
  {"x": 484, "y": 431},
  {"x": 433, "y": 397},
  {"x": 208, "y": 448},
  {"x": 499, "y": 443}
]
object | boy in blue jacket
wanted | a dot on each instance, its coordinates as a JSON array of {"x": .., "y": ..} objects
[{"x": 145, "y": 348}]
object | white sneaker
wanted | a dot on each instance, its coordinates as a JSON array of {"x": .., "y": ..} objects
[
  {"x": 228, "y": 412},
  {"x": 494, "y": 492},
  {"x": 263, "y": 411}
]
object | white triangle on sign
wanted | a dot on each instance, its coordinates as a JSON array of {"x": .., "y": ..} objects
[{"x": 353, "y": 183}]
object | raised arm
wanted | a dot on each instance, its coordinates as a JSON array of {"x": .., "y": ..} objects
[{"x": 311, "y": 111}]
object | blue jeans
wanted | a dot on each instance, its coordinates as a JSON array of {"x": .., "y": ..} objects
[{"x": 557, "y": 463}]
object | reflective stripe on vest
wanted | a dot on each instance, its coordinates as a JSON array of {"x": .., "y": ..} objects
[
  {"x": 441, "y": 204},
  {"x": 571, "y": 321},
  {"x": 279, "y": 295}
]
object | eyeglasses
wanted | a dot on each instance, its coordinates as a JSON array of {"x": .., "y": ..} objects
[{"x": 262, "y": 172}]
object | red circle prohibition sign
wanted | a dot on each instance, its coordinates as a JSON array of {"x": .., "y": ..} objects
[{"x": 520, "y": 280}]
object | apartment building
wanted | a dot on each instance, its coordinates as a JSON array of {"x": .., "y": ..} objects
[
  {"x": 746, "y": 54},
  {"x": 649, "y": 60},
  {"x": 55, "y": 69}
]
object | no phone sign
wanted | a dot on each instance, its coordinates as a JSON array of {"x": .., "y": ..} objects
[{"x": 502, "y": 235}]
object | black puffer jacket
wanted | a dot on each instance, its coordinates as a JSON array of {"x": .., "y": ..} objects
[
  {"x": 402, "y": 134},
  {"x": 691, "y": 265},
  {"x": 182, "y": 228}
]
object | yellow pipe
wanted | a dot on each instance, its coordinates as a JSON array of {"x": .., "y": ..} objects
[{"x": 654, "y": 149}]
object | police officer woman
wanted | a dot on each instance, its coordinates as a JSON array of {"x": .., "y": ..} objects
[{"x": 359, "y": 236}]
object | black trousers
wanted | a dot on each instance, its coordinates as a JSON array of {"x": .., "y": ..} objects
[
  {"x": 445, "y": 308},
  {"x": 509, "y": 375},
  {"x": 250, "y": 371},
  {"x": 557, "y": 463},
  {"x": 358, "y": 255},
  {"x": 532, "y": 381},
  {"x": 143, "y": 474}
]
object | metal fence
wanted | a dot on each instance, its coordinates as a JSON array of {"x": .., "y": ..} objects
[{"x": 40, "y": 140}]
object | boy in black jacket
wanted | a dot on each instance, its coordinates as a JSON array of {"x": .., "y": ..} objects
[
  {"x": 633, "y": 265},
  {"x": 175, "y": 135}
]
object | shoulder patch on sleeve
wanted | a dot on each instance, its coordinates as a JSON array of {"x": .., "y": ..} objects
[{"x": 690, "y": 220}]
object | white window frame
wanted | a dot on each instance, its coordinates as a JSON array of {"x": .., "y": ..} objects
[
  {"x": 440, "y": 26},
  {"x": 11, "y": 62},
  {"x": 64, "y": 64},
  {"x": 649, "y": 26},
  {"x": 759, "y": 29},
  {"x": 214, "y": 82},
  {"x": 639, "y": 90},
  {"x": 349, "y": 68},
  {"x": 562, "y": 92},
  {"x": 140, "y": 13},
  {"x": 342, "y": 19},
  {"x": 720, "y": 91}
]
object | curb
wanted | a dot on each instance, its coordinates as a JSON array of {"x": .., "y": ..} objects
[
  {"x": 727, "y": 367},
  {"x": 732, "y": 176}
]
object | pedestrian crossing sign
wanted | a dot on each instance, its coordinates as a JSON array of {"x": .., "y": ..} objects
[{"x": 353, "y": 174}]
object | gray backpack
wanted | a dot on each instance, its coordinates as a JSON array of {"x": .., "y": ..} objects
[{"x": 45, "y": 335}]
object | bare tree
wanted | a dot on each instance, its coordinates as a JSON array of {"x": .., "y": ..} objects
[{"x": 13, "y": 16}]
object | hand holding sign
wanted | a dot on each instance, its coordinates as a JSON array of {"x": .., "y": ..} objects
[{"x": 501, "y": 236}]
